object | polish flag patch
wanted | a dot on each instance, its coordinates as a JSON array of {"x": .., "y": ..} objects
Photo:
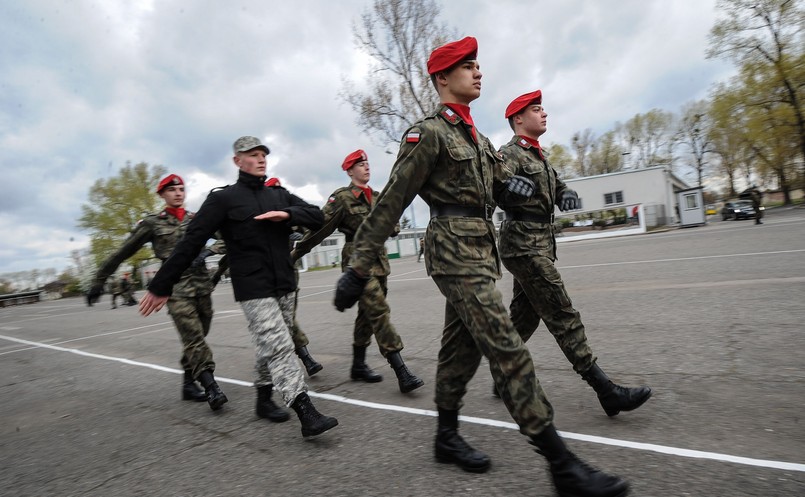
[{"x": 412, "y": 137}]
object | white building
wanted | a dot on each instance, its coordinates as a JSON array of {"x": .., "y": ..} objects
[{"x": 654, "y": 187}]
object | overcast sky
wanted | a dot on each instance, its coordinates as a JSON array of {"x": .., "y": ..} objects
[{"x": 86, "y": 86}]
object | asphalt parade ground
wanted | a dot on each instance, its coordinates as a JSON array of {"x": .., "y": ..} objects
[{"x": 710, "y": 317}]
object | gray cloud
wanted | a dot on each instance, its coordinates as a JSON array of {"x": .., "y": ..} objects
[{"x": 86, "y": 86}]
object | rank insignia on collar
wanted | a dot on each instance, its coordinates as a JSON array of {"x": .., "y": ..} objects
[
  {"x": 331, "y": 199},
  {"x": 523, "y": 143},
  {"x": 412, "y": 137},
  {"x": 451, "y": 116}
]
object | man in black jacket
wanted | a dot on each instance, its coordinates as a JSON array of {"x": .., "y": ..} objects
[{"x": 255, "y": 223}]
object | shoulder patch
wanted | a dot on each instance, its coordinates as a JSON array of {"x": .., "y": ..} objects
[
  {"x": 413, "y": 136},
  {"x": 331, "y": 199}
]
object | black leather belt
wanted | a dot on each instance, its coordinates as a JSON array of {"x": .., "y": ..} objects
[
  {"x": 457, "y": 210},
  {"x": 528, "y": 217}
]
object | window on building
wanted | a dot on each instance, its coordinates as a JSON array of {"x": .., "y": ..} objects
[
  {"x": 691, "y": 201},
  {"x": 327, "y": 243},
  {"x": 613, "y": 198}
]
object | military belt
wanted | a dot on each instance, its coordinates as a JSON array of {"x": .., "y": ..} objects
[
  {"x": 529, "y": 217},
  {"x": 457, "y": 210}
]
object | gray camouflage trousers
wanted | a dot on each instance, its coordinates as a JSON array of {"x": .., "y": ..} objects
[
  {"x": 192, "y": 317},
  {"x": 477, "y": 324},
  {"x": 539, "y": 293},
  {"x": 275, "y": 361},
  {"x": 374, "y": 318}
]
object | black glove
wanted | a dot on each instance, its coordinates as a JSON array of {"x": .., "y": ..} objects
[
  {"x": 520, "y": 185},
  {"x": 199, "y": 261},
  {"x": 348, "y": 289},
  {"x": 296, "y": 236},
  {"x": 94, "y": 294},
  {"x": 570, "y": 201}
]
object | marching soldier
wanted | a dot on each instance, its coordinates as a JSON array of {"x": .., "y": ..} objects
[
  {"x": 528, "y": 250},
  {"x": 345, "y": 210},
  {"x": 300, "y": 339},
  {"x": 190, "y": 306},
  {"x": 255, "y": 222},
  {"x": 455, "y": 169}
]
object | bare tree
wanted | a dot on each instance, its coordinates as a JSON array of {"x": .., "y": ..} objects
[
  {"x": 767, "y": 33},
  {"x": 606, "y": 156},
  {"x": 582, "y": 143},
  {"x": 398, "y": 35},
  {"x": 694, "y": 133},
  {"x": 648, "y": 135}
]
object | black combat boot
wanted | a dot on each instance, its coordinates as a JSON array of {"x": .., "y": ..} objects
[
  {"x": 311, "y": 365},
  {"x": 407, "y": 380},
  {"x": 614, "y": 398},
  {"x": 313, "y": 422},
  {"x": 215, "y": 397},
  {"x": 571, "y": 476},
  {"x": 266, "y": 408},
  {"x": 451, "y": 448},
  {"x": 360, "y": 371},
  {"x": 191, "y": 391}
]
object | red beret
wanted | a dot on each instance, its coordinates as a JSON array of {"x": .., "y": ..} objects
[
  {"x": 273, "y": 182},
  {"x": 353, "y": 158},
  {"x": 452, "y": 53},
  {"x": 523, "y": 101},
  {"x": 169, "y": 180}
]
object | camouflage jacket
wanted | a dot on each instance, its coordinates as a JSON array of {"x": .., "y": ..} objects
[
  {"x": 344, "y": 211},
  {"x": 518, "y": 238},
  {"x": 163, "y": 231},
  {"x": 440, "y": 162}
]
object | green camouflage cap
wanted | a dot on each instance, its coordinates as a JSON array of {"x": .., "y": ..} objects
[{"x": 246, "y": 143}]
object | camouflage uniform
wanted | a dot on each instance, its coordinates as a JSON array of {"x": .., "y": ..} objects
[
  {"x": 274, "y": 350},
  {"x": 528, "y": 250},
  {"x": 460, "y": 179},
  {"x": 190, "y": 305},
  {"x": 345, "y": 210}
]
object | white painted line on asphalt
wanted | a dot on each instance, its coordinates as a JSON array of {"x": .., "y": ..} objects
[
  {"x": 662, "y": 449},
  {"x": 654, "y": 261}
]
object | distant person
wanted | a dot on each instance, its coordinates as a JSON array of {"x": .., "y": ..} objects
[
  {"x": 528, "y": 250},
  {"x": 115, "y": 290},
  {"x": 445, "y": 160},
  {"x": 255, "y": 222},
  {"x": 344, "y": 211},
  {"x": 126, "y": 290},
  {"x": 190, "y": 306},
  {"x": 421, "y": 248},
  {"x": 757, "y": 201}
]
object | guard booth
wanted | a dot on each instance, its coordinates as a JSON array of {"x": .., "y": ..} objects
[{"x": 690, "y": 203}]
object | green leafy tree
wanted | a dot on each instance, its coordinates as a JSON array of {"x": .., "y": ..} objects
[
  {"x": 729, "y": 134},
  {"x": 606, "y": 155},
  {"x": 649, "y": 138},
  {"x": 768, "y": 36},
  {"x": 405, "y": 223},
  {"x": 398, "y": 35},
  {"x": 116, "y": 205},
  {"x": 561, "y": 160}
]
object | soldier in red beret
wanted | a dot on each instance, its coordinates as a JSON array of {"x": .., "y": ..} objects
[
  {"x": 539, "y": 292},
  {"x": 191, "y": 303},
  {"x": 344, "y": 211},
  {"x": 455, "y": 169}
]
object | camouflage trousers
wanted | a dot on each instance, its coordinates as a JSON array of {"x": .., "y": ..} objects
[
  {"x": 374, "y": 318},
  {"x": 192, "y": 317},
  {"x": 476, "y": 323},
  {"x": 539, "y": 293},
  {"x": 275, "y": 361}
]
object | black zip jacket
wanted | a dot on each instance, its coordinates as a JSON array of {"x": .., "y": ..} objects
[{"x": 259, "y": 258}]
